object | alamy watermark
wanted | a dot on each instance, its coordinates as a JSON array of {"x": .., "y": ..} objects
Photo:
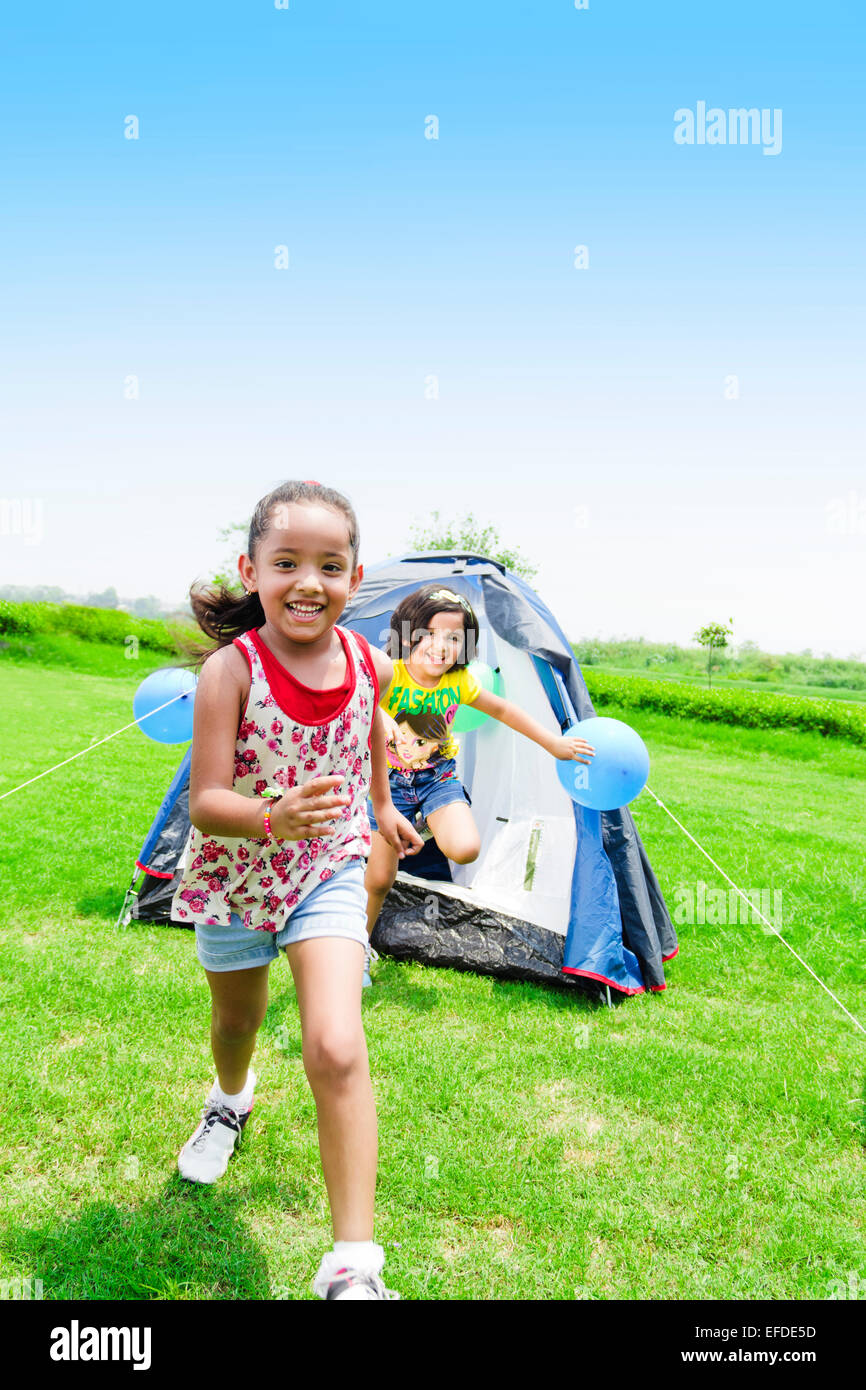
[
  {"x": 853, "y": 1286},
  {"x": 22, "y": 516},
  {"x": 846, "y": 516},
  {"x": 402, "y": 639},
  {"x": 698, "y": 905},
  {"x": 20, "y": 1287},
  {"x": 77, "y": 1343},
  {"x": 736, "y": 126}
]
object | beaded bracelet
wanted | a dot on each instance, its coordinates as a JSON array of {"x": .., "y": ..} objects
[{"x": 275, "y": 797}]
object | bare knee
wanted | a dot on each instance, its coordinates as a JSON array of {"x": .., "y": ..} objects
[
  {"x": 334, "y": 1057},
  {"x": 466, "y": 853},
  {"x": 380, "y": 879},
  {"x": 235, "y": 1023}
]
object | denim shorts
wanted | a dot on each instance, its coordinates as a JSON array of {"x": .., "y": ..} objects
[
  {"x": 427, "y": 790},
  {"x": 337, "y": 907}
]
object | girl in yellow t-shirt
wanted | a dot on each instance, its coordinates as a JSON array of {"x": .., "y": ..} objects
[{"x": 434, "y": 635}]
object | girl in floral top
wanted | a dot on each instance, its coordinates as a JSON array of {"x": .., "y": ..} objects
[{"x": 287, "y": 745}]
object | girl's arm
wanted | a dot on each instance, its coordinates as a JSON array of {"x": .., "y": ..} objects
[
  {"x": 214, "y": 808},
  {"x": 393, "y": 827},
  {"x": 522, "y": 723}
]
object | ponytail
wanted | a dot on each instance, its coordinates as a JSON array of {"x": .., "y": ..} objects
[{"x": 222, "y": 614}]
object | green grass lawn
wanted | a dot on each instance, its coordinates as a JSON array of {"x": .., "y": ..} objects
[{"x": 704, "y": 1142}]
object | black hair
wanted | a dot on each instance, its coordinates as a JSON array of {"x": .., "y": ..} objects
[
  {"x": 410, "y": 620},
  {"x": 222, "y": 613}
]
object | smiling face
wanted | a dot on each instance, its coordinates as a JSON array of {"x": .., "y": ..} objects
[
  {"x": 304, "y": 572},
  {"x": 440, "y": 646}
]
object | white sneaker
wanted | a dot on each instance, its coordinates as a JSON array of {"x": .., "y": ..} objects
[
  {"x": 205, "y": 1155},
  {"x": 338, "y": 1281},
  {"x": 369, "y": 954}
]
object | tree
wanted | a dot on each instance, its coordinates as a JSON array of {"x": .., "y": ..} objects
[
  {"x": 471, "y": 537},
  {"x": 149, "y": 607},
  {"x": 237, "y": 536},
  {"x": 107, "y": 599},
  {"x": 714, "y": 636}
]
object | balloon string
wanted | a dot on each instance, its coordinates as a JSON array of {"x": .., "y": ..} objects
[
  {"x": 81, "y": 753},
  {"x": 773, "y": 929}
]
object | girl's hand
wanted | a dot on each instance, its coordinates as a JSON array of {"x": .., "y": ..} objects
[
  {"x": 571, "y": 748},
  {"x": 392, "y": 731},
  {"x": 307, "y": 812},
  {"x": 400, "y": 833}
]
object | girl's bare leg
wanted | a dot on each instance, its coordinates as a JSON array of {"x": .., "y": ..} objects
[
  {"x": 327, "y": 972},
  {"x": 379, "y": 878},
  {"x": 239, "y": 1000},
  {"x": 455, "y": 832}
]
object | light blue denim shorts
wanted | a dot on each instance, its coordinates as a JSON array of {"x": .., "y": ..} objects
[{"x": 337, "y": 907}]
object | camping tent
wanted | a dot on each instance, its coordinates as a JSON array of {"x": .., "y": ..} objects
[{"x": 559, "y": 893}]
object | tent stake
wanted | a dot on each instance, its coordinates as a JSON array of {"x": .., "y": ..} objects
[
  {"x": 607, "y": 992},
  {"x": 123, "y": 917}
]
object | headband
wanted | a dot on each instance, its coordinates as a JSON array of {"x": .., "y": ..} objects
[{"x": 448, "y": 597}]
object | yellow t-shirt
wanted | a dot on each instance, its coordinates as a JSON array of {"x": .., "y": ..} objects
[{"x": 406, "y": 696}]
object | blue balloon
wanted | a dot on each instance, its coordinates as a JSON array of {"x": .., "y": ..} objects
[
  {"x": 174, "y": 723},
  {"x": 616, "y": 772}
]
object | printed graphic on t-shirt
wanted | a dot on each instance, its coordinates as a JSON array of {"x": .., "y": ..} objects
[
  {"x": 413, "y": 749},
  {"x": 407, "y": 697}
]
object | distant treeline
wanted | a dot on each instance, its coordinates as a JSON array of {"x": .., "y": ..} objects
[
  {"x": 91, "y": 624},
  {"x": 751, "y": 709},
  {"x": 745, "y": 662},
  {"x": 148, "y": 606}
]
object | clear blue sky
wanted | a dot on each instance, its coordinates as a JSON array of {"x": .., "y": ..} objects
[{"x": 559, "y": 389}]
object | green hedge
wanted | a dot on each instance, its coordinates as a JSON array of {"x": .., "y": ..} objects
[
  {"x": 110, "y": 625},
  {"x": 751, "y": 708}
]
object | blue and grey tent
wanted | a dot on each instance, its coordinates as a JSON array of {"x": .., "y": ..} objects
[{"x": 559, "y": 893}]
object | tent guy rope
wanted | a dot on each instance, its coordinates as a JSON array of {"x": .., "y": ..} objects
[
  {"x": 773, "y": 929},
  {"x": 81, "y": 752},
  {"x": 135, "y": 722}
]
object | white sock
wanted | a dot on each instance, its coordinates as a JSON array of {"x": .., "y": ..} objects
[
  {"x": 242, "y": 1101},
  {"x": 364, "y": 1255}
]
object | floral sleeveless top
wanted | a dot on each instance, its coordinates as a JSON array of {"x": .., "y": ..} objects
[{"x": 264, "y": 880}]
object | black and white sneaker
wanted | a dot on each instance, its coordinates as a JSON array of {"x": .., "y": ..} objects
[
  {"x": 350, "y": 1284},
  {"x": 205, "y": 1155},
  {"x": 336, "y": 1281}
]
